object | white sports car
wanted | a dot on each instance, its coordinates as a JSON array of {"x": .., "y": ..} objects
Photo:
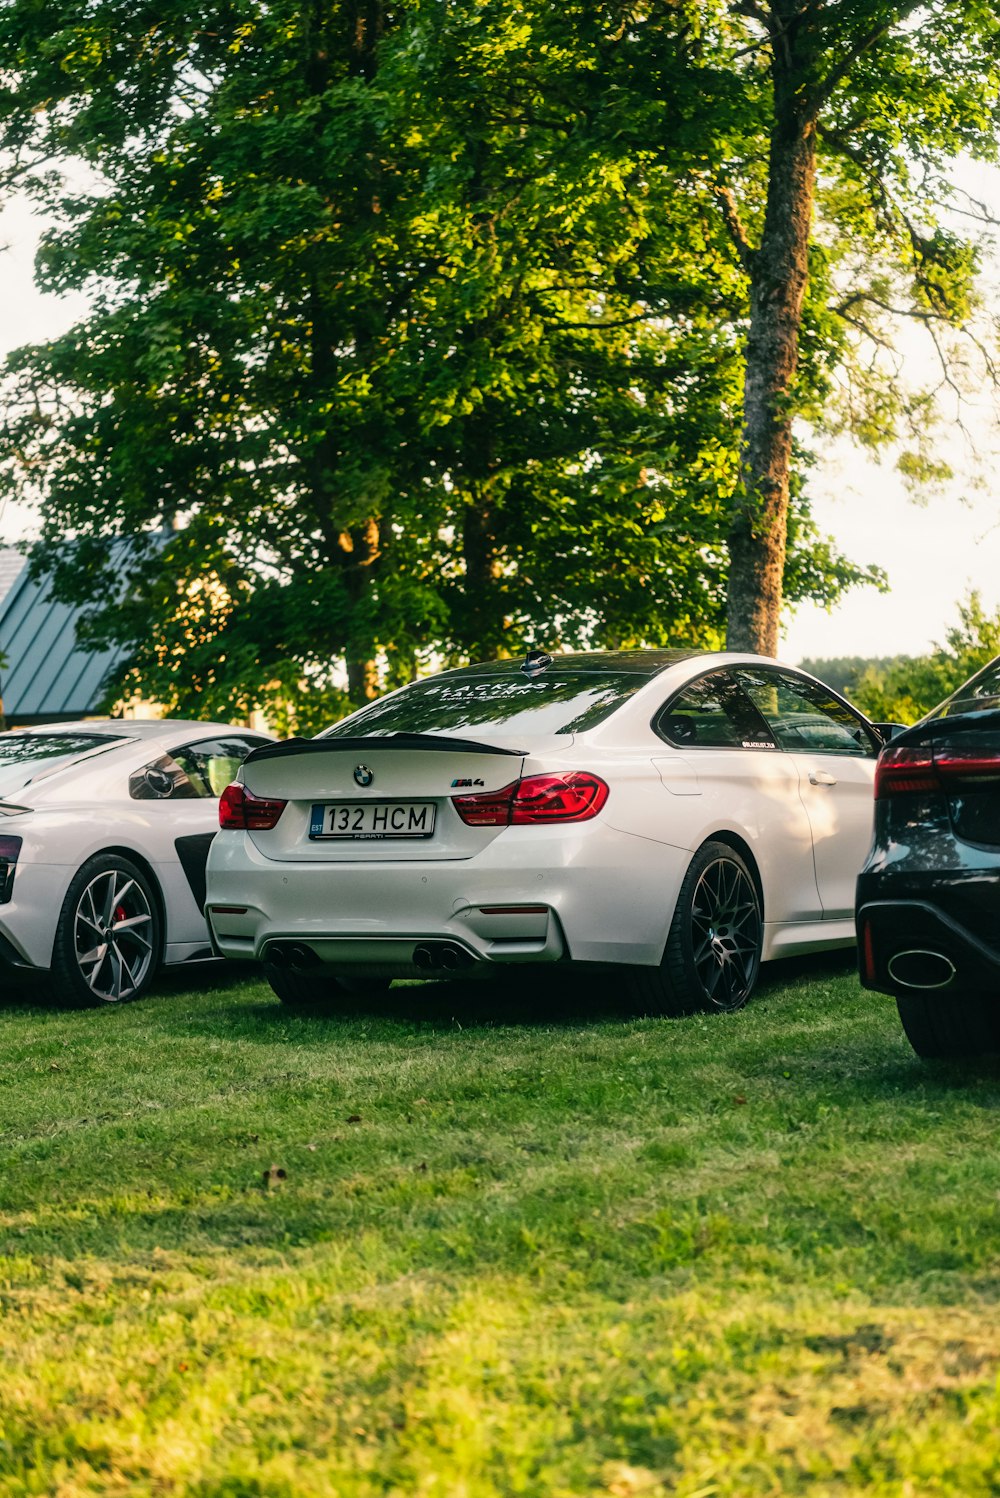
[
  {"x": 679, "y": 815},
  {"x": 104, "y": 832}
]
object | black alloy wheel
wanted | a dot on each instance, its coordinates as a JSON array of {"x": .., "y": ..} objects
[
  {"x": 712, "y": 956},
  {"x": 107, "y": 943},
  {"x": 726, "y": 932}
]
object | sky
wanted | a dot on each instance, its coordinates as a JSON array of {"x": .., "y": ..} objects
[{"x": 933, "y": 553}]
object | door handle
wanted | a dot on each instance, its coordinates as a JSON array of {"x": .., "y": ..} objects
[{"x": 821, "y": 777}]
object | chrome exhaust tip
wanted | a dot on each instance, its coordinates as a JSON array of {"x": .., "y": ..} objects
[{"x": 921, "y": 969}]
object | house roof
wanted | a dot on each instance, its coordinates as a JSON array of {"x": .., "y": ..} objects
[
  {"x": 12, "y": 563},
  {"x": 47, "y": 673}
]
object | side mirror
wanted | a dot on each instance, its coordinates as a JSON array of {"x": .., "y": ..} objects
[{"x": 887, "y": 731}]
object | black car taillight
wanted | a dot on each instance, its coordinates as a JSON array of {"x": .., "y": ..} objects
[
  {"x": 10, "y": 847},
  {"x": 962, "y": 764},
  {"x": 239, "y": 811},
  {"x": 866, "y": 951},
  {"x": 904, "y": 771},
  {"x": 573, "y": 796}
]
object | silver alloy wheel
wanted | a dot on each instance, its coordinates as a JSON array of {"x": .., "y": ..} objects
[
  {"x": 726, "y": 933},
  {"x": 113, "y": 931}
]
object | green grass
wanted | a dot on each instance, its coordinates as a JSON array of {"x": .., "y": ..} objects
[{"x": 557, "y": 1253}]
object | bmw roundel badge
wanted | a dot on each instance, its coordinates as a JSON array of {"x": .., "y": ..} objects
[{"x": 363, "y": 775}]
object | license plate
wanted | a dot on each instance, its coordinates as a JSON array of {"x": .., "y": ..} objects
[{"x": 372, "y": 819}]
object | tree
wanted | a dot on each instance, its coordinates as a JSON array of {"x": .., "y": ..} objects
[
  {"x": 833, "y": 185},
  {"x": 905, "y": 689},
  {"x": 841, "y": 672},
  {"x": 410, "y": 334}
]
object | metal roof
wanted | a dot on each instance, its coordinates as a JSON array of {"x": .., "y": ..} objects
[
  {"x": 12, "y": 564},
  {"x": 47, "y": 673}
]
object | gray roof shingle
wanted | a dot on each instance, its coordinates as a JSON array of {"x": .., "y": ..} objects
[{"x": 47, "y": 673}]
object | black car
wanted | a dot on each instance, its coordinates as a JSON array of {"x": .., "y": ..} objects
[{"x": 928, "y": 899}]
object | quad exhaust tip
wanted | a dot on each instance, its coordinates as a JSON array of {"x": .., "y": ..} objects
[
  {"x": 291, "y": 954},
  {"x": 440, "y": 956},
  {"x": 428, "y": 956},
  {"x": 922, "y": 969}
]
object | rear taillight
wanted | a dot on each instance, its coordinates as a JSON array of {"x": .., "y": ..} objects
[
  {"x": 239, "y": 811},
  {"x": 955, "y": 762},
  {"x": 867, "y": 950},
  {"x": 10, "y": 847},
  {"x": 574, "y": 796},
  {"x": 488, "y": 808},
  {"x": 908, "y": 770},
  {"x": 904, "y": 771}
]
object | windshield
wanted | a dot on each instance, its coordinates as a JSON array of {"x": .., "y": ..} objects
[
  {"x": 23, "y": 756},
  {"x": 515, "y": 707},
  {"x": 981, "y": 694}
]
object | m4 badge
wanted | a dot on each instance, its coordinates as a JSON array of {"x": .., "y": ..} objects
[{"x": 455, "y": 783}]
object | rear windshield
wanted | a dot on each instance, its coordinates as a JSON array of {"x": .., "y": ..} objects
[
  {"x": 23, "y": 755},
  {"x": 513, "y": 705},
  {"x": 981, "y": 694}
]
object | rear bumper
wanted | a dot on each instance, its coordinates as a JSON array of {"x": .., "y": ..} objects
[
  {"x": 912, "y": 946},
  {"x": 530, "y": 896},
  {"x": 28, "y": 921},
  {"x": 10, "y": 957}
]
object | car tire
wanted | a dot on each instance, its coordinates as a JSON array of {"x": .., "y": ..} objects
[
  {"x": 316, "y": 993},
  {"x": 712, "y": 956},
  {"x": 108, "y": 938},
  {"x": 939, "y": 1028}
]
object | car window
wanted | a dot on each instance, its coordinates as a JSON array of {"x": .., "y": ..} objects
[
  {"x": 803, "y": 715},
  {"x": 17, "y": 746},
  {"x": 199, "y": 770},
  {"x": 980, "y": 694},
  {"x": 713, "y": 713},
  {"x": 24, "y": 756},
  {"x": 161, "y": 780},
  {"x": 554, "y": 702},
  {"x": 212, "y": 764}
]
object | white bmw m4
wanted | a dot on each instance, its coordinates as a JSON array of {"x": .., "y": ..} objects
[
  {"x": 104, "y": 832},
  {"x": 675, "y": 815}
]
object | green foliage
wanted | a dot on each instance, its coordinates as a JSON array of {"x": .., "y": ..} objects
[
  {"x": 920, "y": 97},
  {"x": 842, "y": 671},
  {"x": 562, "y": 1249},
  {"x": 419, "y": 330},
  {"x": 902, "y": 688},
  {"x": 415, "y": 334}
]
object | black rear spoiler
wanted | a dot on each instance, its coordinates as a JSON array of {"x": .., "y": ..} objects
[{"x": 362, "y": 743}]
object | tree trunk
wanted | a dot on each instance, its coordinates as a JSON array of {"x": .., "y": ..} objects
[
  {"x": 482, "y": 626},
  {"x": 480, "y": 552},
  {"x": 362, "y": 681},
  {"x": 361, "y": 549},
  {"x": 356, "y": 551},
  {"x": 778, "y": 276}
]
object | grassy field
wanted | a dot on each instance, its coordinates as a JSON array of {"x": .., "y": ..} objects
[{"x": 446, "y": 1245}]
